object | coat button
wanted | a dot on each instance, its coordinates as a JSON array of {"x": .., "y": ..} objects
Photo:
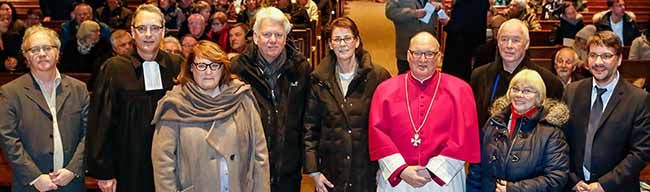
[
  {"x": 51, "y": 153},
  {"x": 51, "y": 136},
  {"x": 232, "y": 157}
]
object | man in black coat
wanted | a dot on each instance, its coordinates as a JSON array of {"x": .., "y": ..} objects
[
  {"x": 464, "y": 34},
  {"x": 491, "y": 81},
  {"x": 279, "y": 76},
  {"x": 608, "y": 130}
]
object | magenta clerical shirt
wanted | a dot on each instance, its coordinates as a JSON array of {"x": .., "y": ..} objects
[{"x": 450, "y": 131}]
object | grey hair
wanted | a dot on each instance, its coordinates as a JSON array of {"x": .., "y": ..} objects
[
  {"x": 119, "y": 34},
  {"x": 574, "y": 55},
  {"x": 51, "y": 34},
  {"x": 522, "y": 3},
  {"x": 273, "y": 14},
  {"x": 148, "y": 8},
  {"x": 170, "y": 39},
  {"x": 517, "y": 22}
]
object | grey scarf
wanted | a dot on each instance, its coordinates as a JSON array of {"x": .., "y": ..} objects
[{"x": 188, "y": 103}]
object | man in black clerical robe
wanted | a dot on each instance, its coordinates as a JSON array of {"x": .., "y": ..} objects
[{"x": 124, "y": 99}]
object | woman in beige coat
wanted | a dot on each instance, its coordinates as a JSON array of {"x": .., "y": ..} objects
[{"x": 209, "y": 136}]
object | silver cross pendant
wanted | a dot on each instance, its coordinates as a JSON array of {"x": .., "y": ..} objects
[{"x": 416, "y": 140}]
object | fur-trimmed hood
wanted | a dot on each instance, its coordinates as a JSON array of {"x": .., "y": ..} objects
[{"x": 555, "y": 112}]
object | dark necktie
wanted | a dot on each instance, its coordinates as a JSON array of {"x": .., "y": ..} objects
[{"x": 594, "y": 118}]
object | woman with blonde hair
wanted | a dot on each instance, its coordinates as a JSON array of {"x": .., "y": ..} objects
[
  {"x": 209, "y": 135},
  {"x": 523, "y": 147}
]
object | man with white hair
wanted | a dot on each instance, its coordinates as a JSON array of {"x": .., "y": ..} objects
[
  {"x": 124, "y": 99},
  {"x": 279, "y": 76},
  {"x": 81, "y": 13},
  {"x": 491, "y": 81},
  {"x": 519, "y": 9}
]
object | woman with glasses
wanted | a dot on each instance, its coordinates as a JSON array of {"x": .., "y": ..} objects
[
  {"x": 523, "y": 147},
  {"x": 336, "y": 119},
  {"x": 209, "y": 135}
]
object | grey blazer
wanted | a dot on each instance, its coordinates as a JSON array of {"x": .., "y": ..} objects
[
  {"x": 402, "y": 14},
  {"x": 26, "y": 129}
]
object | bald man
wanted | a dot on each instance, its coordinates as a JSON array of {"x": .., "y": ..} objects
[{"x": 412, "y": 144}]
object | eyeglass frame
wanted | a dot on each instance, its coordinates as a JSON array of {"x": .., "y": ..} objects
[
  {"x": 418, "y": 54},
  {"x": 208, "y": 65},
  {"x": 37, "y": 49},
  {"x": 524, "y": 91},
  {"x": 152, "y": 28},
  {"x": 346, "y": 40},
  {"x": 603, "y": 56}
]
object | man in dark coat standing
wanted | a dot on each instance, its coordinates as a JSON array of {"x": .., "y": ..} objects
[
  {"x": 279, "y": 76},
  {"x": 464, "y": 34},
  {"x": 491, "y": 81},
  {"x": 125, "y": 97},
  {"x": 609, "y": 127}
]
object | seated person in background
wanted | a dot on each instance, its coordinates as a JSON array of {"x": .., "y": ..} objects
[
  {"x": 187, "y": 42},
  {"x": 580, "y": 47},
  {"x": 296, "y": 14},
  {"x": 523, "y": 147},
  {"x": 174, "y": 16},
  {"x": 220, "y": 5},
  {"x": 200, "y": 7},
  {"x": 171, "y": 45},
  {"x": 197, "y": 25},
  {"x": 10, "y": 46},
  {"x": 616, "y": 19},
  {"x": 82, "y": 12},
  {"x": 640, "y": 49},
  {"x": 565, "y": 64},
  {"x": 247, "y": 15},
  {"x": 33, "y": 18},
  {"x": 311, "y": 7},
  {"x": 219, "y": 30},
  {"x": 121, "y": 42},
  {"x": 87, "y": 51},
  {"x": 485, "y": 53},
  {"x": 114, "y": 14},
  {"x": 238, "y": 39},
  {"x": 570, "y": 23},
  {"x": 518, "y": 9},
  {"x": 16, "y": 25},
  {"x": 44, "y": 153}
]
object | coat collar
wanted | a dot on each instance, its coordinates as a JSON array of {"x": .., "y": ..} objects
[{"x": 33, "y": 92}]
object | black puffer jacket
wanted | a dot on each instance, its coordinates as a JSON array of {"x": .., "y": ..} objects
[
  {"x": 536, "y": 159},
  {"x": 336, "y": 126},
  {"x": 281, "y": 110}
]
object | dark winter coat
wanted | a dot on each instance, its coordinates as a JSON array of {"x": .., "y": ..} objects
[
  {"x": 535, "y": 158},
  {"x": 336, "y": 125},
  {"x": 282, "y": 110}
]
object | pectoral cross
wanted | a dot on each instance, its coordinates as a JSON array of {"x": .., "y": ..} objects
[{"x": 416, "y": 140}]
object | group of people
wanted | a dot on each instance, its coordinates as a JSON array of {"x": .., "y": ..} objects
[{"x": 208, "y": 120}]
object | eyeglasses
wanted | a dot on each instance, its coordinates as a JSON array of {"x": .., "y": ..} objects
[
  {"x": 525, "y": 91},
  {"x": 204, "y": 66},
  {"x": 45, "y": 48},
  {"x": 143, "y": 28},
  {"x": 345, "y": 40},
  {"x": 268, "y": 35},
  {"x": 514, "y": 40},
  {"x": 425, "y": 54},
  {"x": 604, "y": 56}
]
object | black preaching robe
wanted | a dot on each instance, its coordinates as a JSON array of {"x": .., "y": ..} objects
[{"x": 118, "y": 142}]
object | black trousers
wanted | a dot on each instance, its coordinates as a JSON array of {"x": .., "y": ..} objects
[{"x": 286, "y": 183}]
